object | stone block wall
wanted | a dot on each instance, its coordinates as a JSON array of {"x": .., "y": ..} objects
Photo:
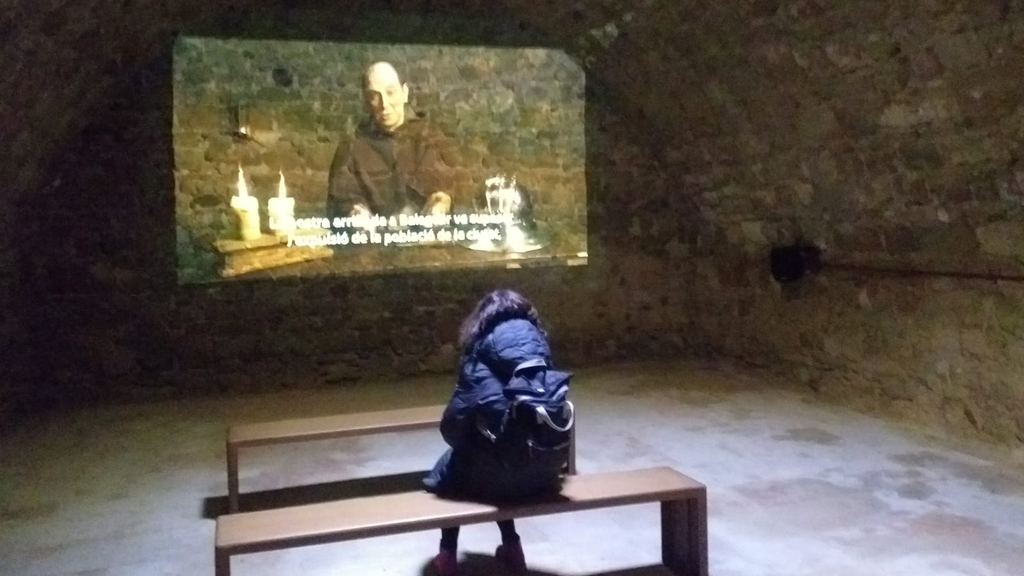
[
  {"x": 891, "y": 135},
  {"x": 115, "y": 323},
  {"x": 888, "y": 133}
]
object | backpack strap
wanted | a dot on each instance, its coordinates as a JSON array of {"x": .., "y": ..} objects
[
  {"x": 527, "y": 364},
  {"x": 542, "y": 417}
]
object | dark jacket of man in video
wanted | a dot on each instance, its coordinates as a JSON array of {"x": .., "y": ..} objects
[
  {"x": 473, "y": 467},
  {"x": 396, "y": 161},
  {"x": 389, "y": 172}
]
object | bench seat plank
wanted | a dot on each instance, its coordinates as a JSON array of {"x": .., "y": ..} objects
[
  {"x": 322, "y": 428},
  {"x": 335, "y": 426},
  {"x": 413, "y": 511}
]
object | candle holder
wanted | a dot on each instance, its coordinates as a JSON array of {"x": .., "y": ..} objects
[
  {"x": 506, "y": 197},
  {"x": 238, "y": 121}
]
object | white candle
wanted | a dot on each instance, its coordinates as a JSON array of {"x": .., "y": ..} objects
[
  {"x": 247, "y": 209},
  {"x": 282, "y": 210}
]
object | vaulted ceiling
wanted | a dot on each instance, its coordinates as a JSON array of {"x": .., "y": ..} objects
[{"x": 62, "y": 59}]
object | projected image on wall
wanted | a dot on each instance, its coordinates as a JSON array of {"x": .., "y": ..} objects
[{"x": 311, "y": 158}]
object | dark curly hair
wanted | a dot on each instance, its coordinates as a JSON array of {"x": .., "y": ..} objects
[{"x": 493, "y": 309}]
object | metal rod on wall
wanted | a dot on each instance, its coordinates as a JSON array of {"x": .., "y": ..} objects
[
  {"x": 911, "y": 272},
  {"x": 790, "y": 263}
]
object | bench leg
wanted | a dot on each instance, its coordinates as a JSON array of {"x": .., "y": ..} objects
[
  {"x": 684, "y": 536},
  {"x": 232, "y": 458},
  {"x": 222, "y": 563},
  {"x": 572, "y": 451}
]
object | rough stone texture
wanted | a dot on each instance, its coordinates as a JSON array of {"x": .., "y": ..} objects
[
  {"x": 887, "y": 132},
  {"x": 890, "y": 135},
  {"x": 114, "y": 323}
]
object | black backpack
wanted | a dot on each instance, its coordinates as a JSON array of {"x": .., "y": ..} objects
[{"x": 537, "y": 427}]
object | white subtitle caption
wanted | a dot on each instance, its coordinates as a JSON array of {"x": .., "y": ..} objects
[{"x": 362, "y": 230}]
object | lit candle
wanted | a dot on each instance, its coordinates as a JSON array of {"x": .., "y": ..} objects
[
  {"x": 247, "y": 209},
  {"x": 282, "y": 210}
]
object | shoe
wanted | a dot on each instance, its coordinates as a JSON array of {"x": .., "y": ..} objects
[
  {"x": 511, "y": 555},
  {"x": 445, "y": 564}
]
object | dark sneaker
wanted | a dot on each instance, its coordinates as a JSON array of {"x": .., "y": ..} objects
[
  {"x": 511, "y": 555},
  {"x": 445, "y": 564}
]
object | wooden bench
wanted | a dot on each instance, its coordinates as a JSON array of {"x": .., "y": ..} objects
[
  {"x": 684, "y": 544},
  {"x": 339, "y": 426}
]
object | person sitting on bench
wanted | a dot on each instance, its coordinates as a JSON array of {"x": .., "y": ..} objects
[{"x": 501, "y": 335}]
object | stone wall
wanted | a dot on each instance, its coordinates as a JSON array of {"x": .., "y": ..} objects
[
  {"x": 889, "y": 133},
  {"x": 892, "y": 136},
  {"x": 116, "y": 324}
]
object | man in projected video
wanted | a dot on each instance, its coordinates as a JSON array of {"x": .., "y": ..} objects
[{"x": 397, "y": 162}]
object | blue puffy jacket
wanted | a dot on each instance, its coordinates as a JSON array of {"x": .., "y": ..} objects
[{"x": 472, "y": 467}]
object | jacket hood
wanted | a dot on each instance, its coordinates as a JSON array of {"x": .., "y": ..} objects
[{"x": 511, "y": 343}]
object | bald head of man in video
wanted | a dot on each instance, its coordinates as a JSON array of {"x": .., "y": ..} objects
[
  {"x": 385, "y": 96},
  {"x": 396, "y": 162}
]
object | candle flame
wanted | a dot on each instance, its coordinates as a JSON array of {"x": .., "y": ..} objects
[
  {"x": 282, "y": 190},
  {"x": 243, "y": 190}
]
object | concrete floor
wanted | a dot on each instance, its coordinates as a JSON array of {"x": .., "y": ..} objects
[{"x": 796, "y": 487}]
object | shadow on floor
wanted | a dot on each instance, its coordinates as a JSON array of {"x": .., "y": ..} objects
[
  {"x": 214, "y": 506},
  {"x": 484, "y": 565}
]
